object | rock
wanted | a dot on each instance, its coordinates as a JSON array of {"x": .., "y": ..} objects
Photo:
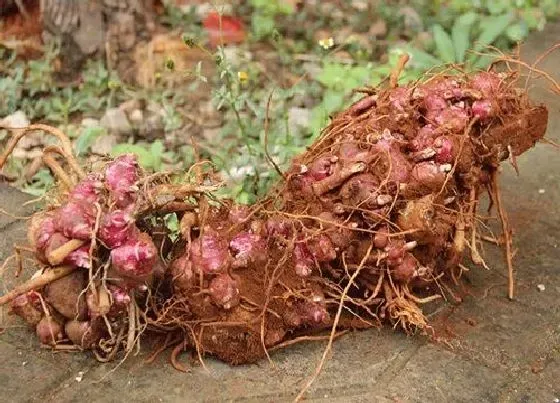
[
  {"x": 378, "y": 29},
  {"x": 149, "y": 122},
  {"x": 136, "y": 117},
  {"x": 298, "y": 118},
  {"x": 90, "y": 34},
  {"x": 90, "y": 122},
  {"x": 209, "y": 116},
  {"x": 154, "y": 126},
  {"x": 130, "y": 105},
  {"x": 19, "y": 119},
  {"x": 237, "y": 56},
  {"x": 116, "y": 122},
  {"x": 360, "y": 5},
  {"x": 211, "y": 133},
  {"x": 15, "y": 120},
  {"x": 103, "y": 145},
  {"x": 412, "y": 20},
  {"x": 312, "y": 69}
]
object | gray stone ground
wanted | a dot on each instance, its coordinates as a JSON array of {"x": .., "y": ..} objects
[{"x": 502, "y": 350}]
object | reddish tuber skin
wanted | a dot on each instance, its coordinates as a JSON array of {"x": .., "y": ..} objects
[
  {"x": 120, "y": 299},
  {"x": 303, "y": 259},
  {"x": 79, "y": 257},
  {"x": 400, "y": 219},
  {"x": 427, "y": 175},
  {"x": 487, "y": 83},
  {"x": 482, "y": 109},
  {"x": 320, "y": 168},
  {"x": 28, "y": 307},
  {"x": 381, "y": 238},
  {"x": 76, "y": 220},
  {"x": 76, "y": 258},
  {"x": 121, "y": 176},
  {"x": 434, "y": 105},
  {"x": 117, "y": 227},
  {"x": 40, "y": 231},
  {"x": 88, "y": 189},
  {"x": 361, "y": 190},
  {"x": 454, "y": 119},
  {"x": 239, "y": 214},
  {"x": 322, "y": 249},
  {"x": 313, "y": 313},
  {"x": 400, "y": 98},
  {"x": 424, "y": 138},
  {"x": 136, "y": 258},
  {"x": 182, "y": 273},
  {"x": 209, "y": 253},
  {"x": 400, "y": 166},
  {"x": 223, "y": 291},
  {"x": 348, "y": 151},
  {"x": 395, "y": 252},
  {"x": 444, "y": 150},
  {"x": 279, "y": 227},
  {"x": 338, "y": 235},
  {"x": 307, "y": 314},
  {"x": 247, "y": 248},
  {"x": 406, "y": 269},
  {"x": 49, "y": 331}
]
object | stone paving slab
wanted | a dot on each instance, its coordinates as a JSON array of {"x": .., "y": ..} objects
[{"x": 499, "y": 350}]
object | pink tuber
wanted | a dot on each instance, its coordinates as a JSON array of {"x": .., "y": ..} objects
[
  {"x": 182, "y": 273},
  {"x": 136, "y": 258},
  {"x": 322, "y": 248},
  {"x": 28, "y": 307},
  {"x": 247, "y": 248},
  {"x": 88, "y": 189},
  {"x": 49, "y": 331},
  {"x": 223, "y": 291},
  {"x": 117, "y": 227},
  {"x": 399, "y": 165},
  {"x": 303, "y": 259},
  {"x": 79, "y": 257},
  {"x": 76, "y": 219},
  {"x": 121, "y": 176},
  {"x": 210, "y": 253}
]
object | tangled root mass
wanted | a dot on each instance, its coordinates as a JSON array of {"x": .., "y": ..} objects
[{"x": 383, "y": 205}]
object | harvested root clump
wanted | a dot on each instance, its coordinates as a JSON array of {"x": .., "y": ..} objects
[{"x": 370, "y": 223}]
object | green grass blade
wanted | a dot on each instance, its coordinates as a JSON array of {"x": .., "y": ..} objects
[
  {"x": 444, "y": 45},
  {"x": 461, "y": 34}
]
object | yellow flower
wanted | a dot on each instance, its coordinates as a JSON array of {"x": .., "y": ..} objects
[
  {"x": 326, "y": 43},
  {"x": 242, "y": 76}
]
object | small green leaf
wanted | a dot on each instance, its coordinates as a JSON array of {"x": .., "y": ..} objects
[
  {"x": 444, "y": 44},
  {"x": 172, "y": 224},
  {"x": 517, "y": 32},
  {"x": 482, "y": 62},
  {"x": 157, "y": 150},
  {"x": 461, "y": 34},
  {"x": 497, "y": 6},
  {"x": 145, "y": 157},
  {"x": 422, "y": 60},
  {"x": 492, "y": 28},
  {"x": 87, "y": 137}
]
